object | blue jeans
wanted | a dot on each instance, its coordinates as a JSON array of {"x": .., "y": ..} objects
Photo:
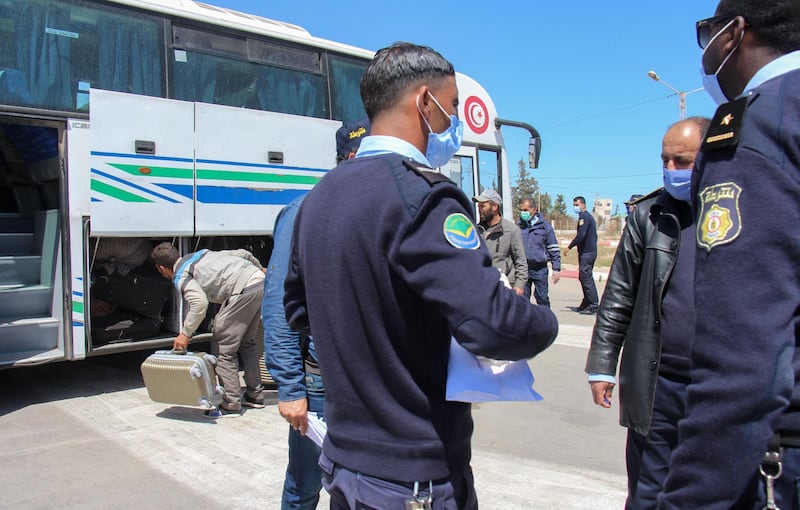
[
  {"x": 303, "y": 474},
  {"x": 537, "y": 278},
  {"x": 585, "y": 268}
]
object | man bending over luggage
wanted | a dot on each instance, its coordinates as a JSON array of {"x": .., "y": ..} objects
[{"x": 235, "y": 280}]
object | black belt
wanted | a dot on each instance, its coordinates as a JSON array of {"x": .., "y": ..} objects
[
  {"x": 789, "y": 439},
  {"x": 312, "y": 367}
]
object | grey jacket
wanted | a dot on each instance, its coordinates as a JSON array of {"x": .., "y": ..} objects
[
  {"x": 504, "y": 242},
  {"x": 213, "y": 278},
  {"x": 630, "y": 311}
]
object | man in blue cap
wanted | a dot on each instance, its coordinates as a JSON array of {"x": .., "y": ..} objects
[{"x": 292, "y": 358}]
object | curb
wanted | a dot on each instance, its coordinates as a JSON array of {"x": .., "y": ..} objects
[{"x": 599, "y": 276}]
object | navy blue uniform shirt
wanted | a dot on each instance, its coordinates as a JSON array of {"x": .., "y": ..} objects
[
  {"x": 586, "y": 236},
  {"x": 385, "y": 267},
  {"x": 745, "y": 361}
]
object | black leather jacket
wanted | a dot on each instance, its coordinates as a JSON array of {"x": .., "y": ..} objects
[{"x": 630, "y": 311}]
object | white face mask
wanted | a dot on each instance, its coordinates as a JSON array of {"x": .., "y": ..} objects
[{"x": 711, "y": 81}]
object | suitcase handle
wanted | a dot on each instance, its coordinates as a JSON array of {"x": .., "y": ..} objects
[{"x": 178, "y": 351}]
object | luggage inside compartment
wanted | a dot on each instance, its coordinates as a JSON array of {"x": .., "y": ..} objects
[
  {"x": 124, "y": 326},
  {"x": 128, "y": 296}
]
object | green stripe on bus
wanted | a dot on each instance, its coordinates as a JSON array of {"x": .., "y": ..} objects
[
  {"x": 222, "y": 175},
  {"x": 77, "y": 307},
  {"x": 117, "y": 193},
  {"x": 155, "y": 171}
]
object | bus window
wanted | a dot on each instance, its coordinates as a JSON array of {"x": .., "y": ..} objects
[
  {"x": 345, "y": 75},
  {"x": 215, "y": 68},
  {"x": 51, "y": 52},
  {"x": 489, "y": 170},
  {"x": 460, "y": 170}
]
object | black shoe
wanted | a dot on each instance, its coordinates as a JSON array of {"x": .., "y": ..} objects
[
  {"x": 254, "y": 402},
  {"x": 579, "y": 309},
  {"x": 589, "y": 310}
]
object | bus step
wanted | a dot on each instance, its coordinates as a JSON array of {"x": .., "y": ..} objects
[
  {"x": 26, "y": 335},
  {"x": 25, "y": 269},
  {"x": 24, "y": 302},
  {"x": 16, "y": 243},
  {"x": 14, "y": 222}
]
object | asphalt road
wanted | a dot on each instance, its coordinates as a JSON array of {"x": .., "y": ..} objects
[{"x": 85, "y": 435}]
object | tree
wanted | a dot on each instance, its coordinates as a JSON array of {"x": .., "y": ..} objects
[
  {"x": 560, "y": 207},
  {"x": 526, "y": 187}
]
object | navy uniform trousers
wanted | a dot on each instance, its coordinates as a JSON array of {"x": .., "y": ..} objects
[{"x": 356, "y": 491}]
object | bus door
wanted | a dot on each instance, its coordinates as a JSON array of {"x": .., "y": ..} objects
[
  {"x": 142, "y": 165},
  {"x": 251, "y": 163},
  {"x": 461, "y": 169}
]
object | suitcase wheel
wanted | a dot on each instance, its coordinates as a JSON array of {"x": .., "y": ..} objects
[{"x": 196, "y": 373}]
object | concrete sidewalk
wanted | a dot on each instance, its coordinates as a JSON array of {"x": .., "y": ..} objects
[{"x": 86, "y": 435}]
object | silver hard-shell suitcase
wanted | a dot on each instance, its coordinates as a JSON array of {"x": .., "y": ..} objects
[{"x": 182, "y": 378}]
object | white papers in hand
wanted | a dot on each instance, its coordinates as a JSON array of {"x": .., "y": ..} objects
[{"x": 317, "y": 428}]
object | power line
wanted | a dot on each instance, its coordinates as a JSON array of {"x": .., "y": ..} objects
[
  {"x": 608, "y": 112},
  {"x": 595, "y": 177}
]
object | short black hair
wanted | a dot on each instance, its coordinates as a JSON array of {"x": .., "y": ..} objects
[
  {"x": 530, "y": 203},
  {"x": 165, "y": 255},
  {"x": 579, "y": 199},
  {"x": 777, "y": 22},
  {"x": 396, "y": 68}
]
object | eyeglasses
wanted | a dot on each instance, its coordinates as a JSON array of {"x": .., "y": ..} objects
[{"x": 704, "y": 27}]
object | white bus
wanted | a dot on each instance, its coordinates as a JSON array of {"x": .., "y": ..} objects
[{"x": 124, "y": 123}]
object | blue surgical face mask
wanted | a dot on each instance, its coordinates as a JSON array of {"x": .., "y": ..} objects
[
  {"x": 525, "y": 216},
  {"x": 442, "y": 146},
  {"x": 678, "y": 184},
  {"x": 576, "y": 209},
  {"x": 711, "y": 81}
]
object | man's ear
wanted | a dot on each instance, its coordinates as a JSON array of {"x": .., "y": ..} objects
[
  {"x": 423, "y": 99},
  {"x": 737, "y": 32}
]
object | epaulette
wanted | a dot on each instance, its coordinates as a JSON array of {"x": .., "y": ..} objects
[
  {"x": 425, "y": 172},
  {"x": 652, "y": 194},
  {"x": 724, "y": 128}
]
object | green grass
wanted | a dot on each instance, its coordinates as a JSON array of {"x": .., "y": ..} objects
[{"x": 605, "y": 255}]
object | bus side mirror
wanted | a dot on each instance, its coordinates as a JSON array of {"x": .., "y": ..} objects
[{"x": 534, "y": 151}]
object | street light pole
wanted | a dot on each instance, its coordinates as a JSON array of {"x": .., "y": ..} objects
[{"x": 681, "y": 93}]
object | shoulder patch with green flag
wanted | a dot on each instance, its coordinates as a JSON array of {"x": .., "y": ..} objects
[{"x": 460, "y": 232}]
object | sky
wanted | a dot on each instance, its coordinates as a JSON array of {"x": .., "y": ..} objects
[{"x": 577, "y": 71}]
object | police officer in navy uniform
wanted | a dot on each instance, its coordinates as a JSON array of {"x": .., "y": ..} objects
[
  {"x": 383, "y": 295},
  {"x": 740, "y": 441},
  {"x": 586, "y": 242}
]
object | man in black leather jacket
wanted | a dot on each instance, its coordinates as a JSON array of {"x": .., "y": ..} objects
[{"x": 654, "y": 265}]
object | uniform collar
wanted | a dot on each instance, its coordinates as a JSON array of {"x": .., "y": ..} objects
[
  {"x": 382, "y": 144},
  {"x": 781, "y": 65}
]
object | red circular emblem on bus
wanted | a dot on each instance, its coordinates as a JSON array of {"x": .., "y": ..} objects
[{"x": 476, "y": 114}]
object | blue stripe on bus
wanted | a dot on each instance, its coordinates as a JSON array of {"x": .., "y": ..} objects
[
  {"x": 259, "y": 165},
  {"x": 135, "y": 186},
  {"x": 140, "y": 156},
  {"x": 77, "y": 324},
  {"x": 76, "y": 293},
  {"x": 96, "y": 200},
  {"x": 224, "y": 195}
]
